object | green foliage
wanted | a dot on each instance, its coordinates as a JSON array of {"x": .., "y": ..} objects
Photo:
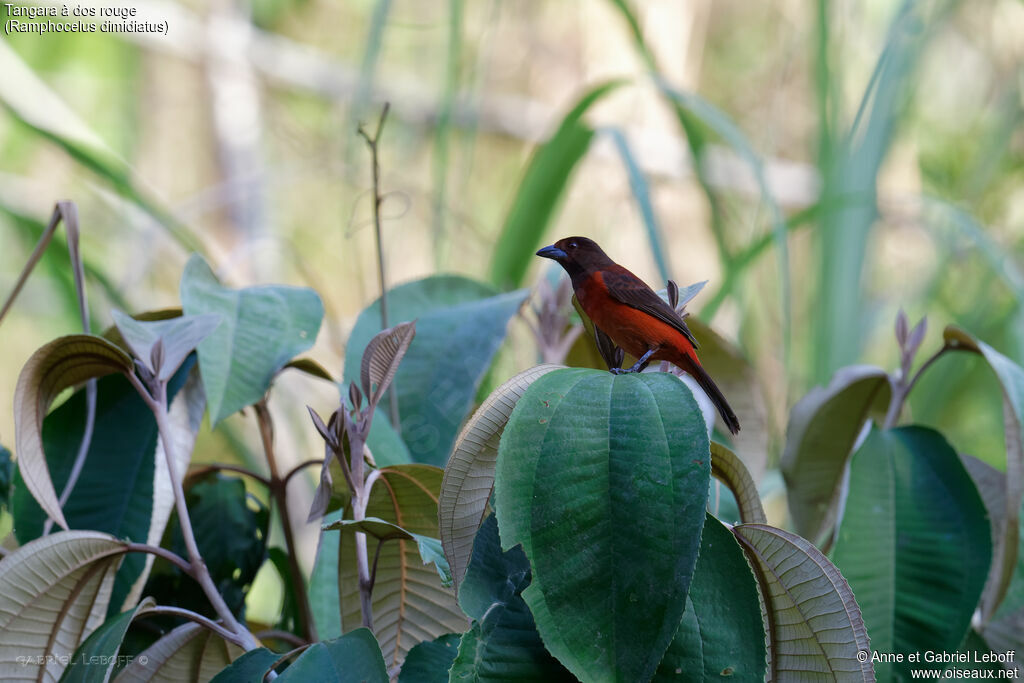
[
  {"x": 914, "y": 543},
  {"x": 115, "y": 490},
  {"x": 353, "y": 658},
  {"x": 6, "y": 478},
  {"x": 459, "y": 326},
  {"x": 231, "y": 532},
  {"x": 583, "y": 452},
  {"x": 430, "y": 660},
  {"x": 721, "y": 631},
  {"x": 262, "y": 328},
  {"x": 503, "y": 643}
]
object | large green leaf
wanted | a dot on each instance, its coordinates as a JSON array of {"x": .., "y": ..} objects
[
  {"x": 469, "y": 474},
  {"x": 541, "y": 190},
  {"x": 55, "y": 592},
  {"x": 6, "y": 478},
  {"x": 603, "y": 479},
  {"x": 722, "y": 634},
  {"x": 95, "y": 659},
  {"x": 250, "y": 667},
  {"x": 123, "y": 488},
  {"x": 64, "y": 362},
  {"x": 914, "y": 543},
  {"x": 353, "y": 658},
  {"x": 823, "y": 428},
  {"x": 460, "y": 324},
  {"x": 430, "y": 661},
  {"x": 262, "y": 329},
  {"x": 410, "y": 603},
  {"x": 815, "y": 630},
  {"x": 503, "y": 643}
]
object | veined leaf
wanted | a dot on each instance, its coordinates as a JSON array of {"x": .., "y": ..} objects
[
  {"x": 430, "y": 548},
  {"x": 94, "y": 659},
  {"x": 381, "y": 358},
  {"x": 721, "y": 634},
  {"x": 124, "y": 489},
  {"x": 56, "y": 591},
  {"x": 64, "y": 362},
  {"x": 410, "y": 603},
  {"x": 1008, "y": 552},
  {"x": 430, "y": 660},
  {"x": 167, "y": 341},
  {"x": 353, "y": 658},
  {"x": 918, "y": 567},
  {"x": 731, "y": 471},
  {"x": 503, "y": 643},
  {"x": 823, "y": 428},
  {"x": 460, "y": 324},
  {"x": 815, "y": 628},
  {"x": 581, "y": 449},
  {"x": 251, "y": 667},
  {"x": 262, "y": 329},
  {"x": 469, "y": 474},
  {"x": 188, "y": 654}
]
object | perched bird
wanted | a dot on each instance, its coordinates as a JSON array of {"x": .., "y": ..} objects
[{"x": 632, "y": 315}]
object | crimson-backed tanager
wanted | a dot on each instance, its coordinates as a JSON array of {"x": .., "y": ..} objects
[{"x": 632, "y": 315}]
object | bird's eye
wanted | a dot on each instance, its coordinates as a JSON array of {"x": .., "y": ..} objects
[{"x": 573, "y": 245}]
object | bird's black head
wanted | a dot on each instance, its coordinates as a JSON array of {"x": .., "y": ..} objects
[{"x": 578, "y": 255}]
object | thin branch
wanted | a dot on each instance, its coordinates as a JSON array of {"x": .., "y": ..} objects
[
  {"x": 298, "y": 468},
  {"x": 199, "y": 619},
  {"x": 218, "y": 467},
  {"x": 378, "y": 199},
  {"x": 278, "y": 489},
  {"x": 172, "y": 557},
  {"x": 158, "y": 405},
  {"x": 284, "y": 636}
]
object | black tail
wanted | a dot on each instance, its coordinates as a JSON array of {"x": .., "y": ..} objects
[{"x": 713, "y": 392}]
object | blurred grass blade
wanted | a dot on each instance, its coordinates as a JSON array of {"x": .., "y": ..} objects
[
  {"x": 442, "y": 130},
  {"x": 724, "y": 127},
  {"x": 32, "y": 103},
  {"x": 541, "y": 190},
  {"x": 695, "y": 137},
  {"x": 852, "y": 175},
  {"x": 641, "y": 192}
]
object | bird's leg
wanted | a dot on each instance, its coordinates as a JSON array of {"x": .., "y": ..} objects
[{"x": 639, "y": 365}]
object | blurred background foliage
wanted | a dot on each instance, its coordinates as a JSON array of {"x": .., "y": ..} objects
[{"x": 821, "y": 163}]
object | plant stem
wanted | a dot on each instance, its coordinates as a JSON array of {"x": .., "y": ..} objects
[
  {"x": 378, "y": 199},
  {"x": 901, "y": 387},
  {"x": 198, "y": 619},
  {"x": 218, "y": 467},
  {"x": 279, "y": 490},
  {"x": 197, "y": 566}
]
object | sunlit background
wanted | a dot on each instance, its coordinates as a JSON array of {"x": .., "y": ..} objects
[{"x": 823, "y": 164}]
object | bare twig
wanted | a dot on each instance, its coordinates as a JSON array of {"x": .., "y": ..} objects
[
  {"x": 301, "y": 466},
  {"x": 220, "y": 467},
  {"x": 378, "y": 199}
]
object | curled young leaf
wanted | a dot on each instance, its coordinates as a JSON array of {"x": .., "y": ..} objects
[
  {"x": 381, "y": 358},
  {"x": 64, "y": 362},
  {"x": 730, "y": 470}
]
